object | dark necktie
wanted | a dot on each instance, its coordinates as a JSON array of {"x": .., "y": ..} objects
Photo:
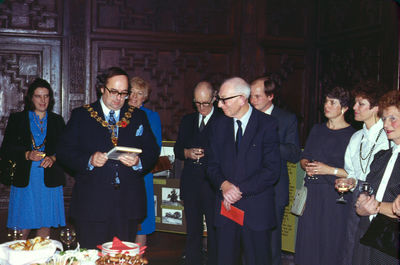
[
  {"x": 202, "y": 124},
  {"x": 111, "y": 121},
  {"x": 239, "y": 134}
]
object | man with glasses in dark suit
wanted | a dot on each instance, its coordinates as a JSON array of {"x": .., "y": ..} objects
[
  {"x": 108, "y": 197},
  {"x": 197, "y": 192},
  {"x": 244, "y": 164}
]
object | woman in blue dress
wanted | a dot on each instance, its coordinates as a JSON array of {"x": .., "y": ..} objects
[
  {"x": 36, "y": 195},
  {"x": 140, "y": 92}
]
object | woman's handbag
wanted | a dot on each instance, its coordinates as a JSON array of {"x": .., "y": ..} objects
[
  {"x": 7, "y": 171},
  {"x": 299, "y": 203},
  {"x": 383, "y": 235}
]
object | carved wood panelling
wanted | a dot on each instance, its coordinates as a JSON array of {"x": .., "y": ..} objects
[
  {"x": 31, "y": 16},
  {"x": 342, "y": 16},
  {"x": 178, "y": 16},
  {"x": 22, "y": 60},
  {"x": 287, "y": 67},
  {"x": 285, "y": 18},
  {"x": 172, "y": 72}
]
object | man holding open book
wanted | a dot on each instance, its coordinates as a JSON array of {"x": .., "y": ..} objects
[{"x": 109, "y": 196}]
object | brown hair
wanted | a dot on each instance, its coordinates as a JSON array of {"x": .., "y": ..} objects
[
  {"x": 391, "y": 98},
  {"x": 369, "y": 90}
]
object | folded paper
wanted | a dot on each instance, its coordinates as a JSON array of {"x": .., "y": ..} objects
[{"x": 235, "y": 214}]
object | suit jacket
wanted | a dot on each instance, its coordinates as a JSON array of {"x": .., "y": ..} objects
[
  {"x": 189, "y": 136},
  {"x": 289, "y": 147},
  {"x": 93, "y": 196},
  {"x": 254, "y": 169},
  {"x": 17, "y": 140}
]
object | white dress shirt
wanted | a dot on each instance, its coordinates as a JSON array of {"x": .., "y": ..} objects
[
  {"x": 207, "y": 117},
  {"x": 368, "y": 138},
  {"x": 245, "y": 120}
]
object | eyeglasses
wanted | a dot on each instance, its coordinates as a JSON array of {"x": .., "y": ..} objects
[
  {"x": 202, "y": 104},
  {"x": 218, "y": 98},
  {"x": 115, "y": 93}
]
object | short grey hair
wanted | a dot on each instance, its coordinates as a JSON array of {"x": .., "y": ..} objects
[{"x": 240, "y": 86}]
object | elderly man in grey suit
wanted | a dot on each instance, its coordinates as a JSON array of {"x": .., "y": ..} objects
[{"x": 263, "y": 92}]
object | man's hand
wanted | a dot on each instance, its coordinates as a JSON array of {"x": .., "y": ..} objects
[
  {"x": 129, "y": 160},
  {"x": 99, "y": 159},
  {"x": 231, "y": 193},
  {"x": 193, "y": 153}
]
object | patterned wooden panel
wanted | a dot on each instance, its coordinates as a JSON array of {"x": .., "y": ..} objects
[
  {"x": 173, "y": 72},
  {"x": 31, "y": 16},
  {"x": 288, "y": 68},
  {"x": 286, "y": 18},
  {"x": 180, "y": 16},
  {"x": 340, "y": 16}
]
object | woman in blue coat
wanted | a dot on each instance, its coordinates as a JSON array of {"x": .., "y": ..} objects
[{"x": 140, "y": 92}]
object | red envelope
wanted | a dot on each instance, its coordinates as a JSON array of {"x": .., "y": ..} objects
[{"x": 235, "y": 214}]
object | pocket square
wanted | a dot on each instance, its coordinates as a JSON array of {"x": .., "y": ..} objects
[{"x": 139, "y": 131}]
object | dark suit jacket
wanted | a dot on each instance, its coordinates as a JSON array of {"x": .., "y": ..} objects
[
  {"x": 17, "y": 140},
  {"x": 93, "y": 193},
  {"x": 189, "y": 136},
  {"x": 289, "y": 147},
  {"x": 254, "y": 169}
]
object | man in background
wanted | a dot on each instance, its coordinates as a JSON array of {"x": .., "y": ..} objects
[
  {"x": 244, "y": 165},
  {"x": 197, "y": 192},
  {"x": 263, "y": 92}
]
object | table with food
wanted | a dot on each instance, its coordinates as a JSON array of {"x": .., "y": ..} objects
[{"x": 44, "y": 251}]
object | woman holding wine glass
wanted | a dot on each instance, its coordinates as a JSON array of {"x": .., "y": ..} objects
[
  {"x": 363, "y": 146},
  {"x": 384, "y": 178},
  {"x": 321, "y": 227},
  {"x": 36, "y": 195}
]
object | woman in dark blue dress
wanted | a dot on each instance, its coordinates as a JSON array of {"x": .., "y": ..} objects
[
  {"x": 36, "y": 195},
  {"x": 320, "y": 229}
]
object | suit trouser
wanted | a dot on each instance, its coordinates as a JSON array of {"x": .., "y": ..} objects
[
  {"x": 276, "y": 237},
  {"x": 91, "y": 233},
  {"x": 256, "y": 245},
  {"x": 199, "y": 202}
]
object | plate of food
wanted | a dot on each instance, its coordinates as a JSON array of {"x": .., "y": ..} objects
[{"x": 35, "y": 250}]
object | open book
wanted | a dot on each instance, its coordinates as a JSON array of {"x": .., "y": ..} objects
[{"x": 119, "y": 150}]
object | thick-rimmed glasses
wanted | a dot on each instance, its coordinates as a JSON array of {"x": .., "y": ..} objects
[
  {"x": 222, "y": 100},
  {"x": 202, "y": 104},
  {"x": 115, "y": 93}
]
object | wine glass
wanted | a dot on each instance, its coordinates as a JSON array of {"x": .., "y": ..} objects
[
  {"x": 14, "y": 233},
  {"x": 198, "y": 151},
  {"x": 342, "y": 187},
  {"x": 68, "y": 237}
]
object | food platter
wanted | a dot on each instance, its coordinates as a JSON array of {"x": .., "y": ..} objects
[{"x": 20, "y": 257}]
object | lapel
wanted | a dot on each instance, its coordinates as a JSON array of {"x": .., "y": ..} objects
[
  {"x": 229, "y": 139},
  {"x": 27, "y": 132},
  {"x": 249, "y": 134}
]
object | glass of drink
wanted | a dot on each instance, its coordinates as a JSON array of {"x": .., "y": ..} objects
[
  {"x": 198, "y": 151},
  {"x": 342, "y": 187},
  {"x": 68, "y": 237},
  {"x": 14, "y": 233}
]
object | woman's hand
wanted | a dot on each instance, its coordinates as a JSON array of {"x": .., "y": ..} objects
[
  {"x": 396, "y": 206},
  {"x": 48, "y": 161},
  {"x": 367, "y": 205},
  {"x": 34, "y": 155},
  {"x": 320, "y": 168}
]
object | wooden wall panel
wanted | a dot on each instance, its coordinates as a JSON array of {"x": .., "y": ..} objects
[
  {"x": 172, "y": 72},
  {"x": 27, "y": 16}
]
